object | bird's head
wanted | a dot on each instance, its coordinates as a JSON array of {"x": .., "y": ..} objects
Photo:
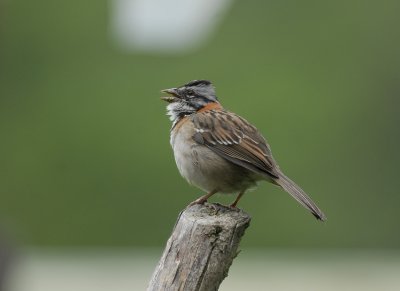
[{"x": 189, "y": 98}]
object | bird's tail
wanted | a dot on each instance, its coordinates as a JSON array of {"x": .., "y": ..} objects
[{"x": 297, "y": 193}]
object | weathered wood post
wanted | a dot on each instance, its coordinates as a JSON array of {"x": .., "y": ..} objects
[{"x": 201, "y": 249}]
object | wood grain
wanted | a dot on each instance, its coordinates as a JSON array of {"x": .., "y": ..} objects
[{"x": 201, "y": 249}]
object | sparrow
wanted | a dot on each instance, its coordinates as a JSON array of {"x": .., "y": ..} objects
[{"x": 220, "y": 152}]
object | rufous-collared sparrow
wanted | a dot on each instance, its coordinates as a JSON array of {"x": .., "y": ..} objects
[{"x": 219, "y": 151}]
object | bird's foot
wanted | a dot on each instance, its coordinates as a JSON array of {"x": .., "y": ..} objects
[
  {"x": 203, "y": 199},
  {"x": 234, "y": 207},
  {"x": 200, "y": 200}
]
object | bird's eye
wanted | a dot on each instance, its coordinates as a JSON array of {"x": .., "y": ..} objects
[{"x": 190, "y": 92}]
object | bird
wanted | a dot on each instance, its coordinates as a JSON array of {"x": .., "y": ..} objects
[{"x": 219, "y": 151}]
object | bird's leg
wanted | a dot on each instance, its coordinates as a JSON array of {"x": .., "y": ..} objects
[
  {"x": 203, "y": 198},
  {"x": 233, "y": 205}
]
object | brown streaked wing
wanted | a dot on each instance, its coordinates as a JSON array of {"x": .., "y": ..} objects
[{"x": 235, "y": 139}]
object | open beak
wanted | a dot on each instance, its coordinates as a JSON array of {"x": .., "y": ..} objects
[{"x": 173, "y": 95}]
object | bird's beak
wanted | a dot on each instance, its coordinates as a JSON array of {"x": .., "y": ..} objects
[{"x": 173, "y": 92}]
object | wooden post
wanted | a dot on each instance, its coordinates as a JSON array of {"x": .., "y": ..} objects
[{"x": 201, "y": 249}]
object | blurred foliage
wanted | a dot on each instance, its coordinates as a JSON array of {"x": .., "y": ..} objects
[{"x": 84, "y": 152}]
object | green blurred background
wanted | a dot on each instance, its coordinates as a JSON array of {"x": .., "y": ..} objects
[{"x": 85, "y": 158}]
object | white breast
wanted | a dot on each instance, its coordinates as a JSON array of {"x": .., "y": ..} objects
[
  {"x": 203, "y": 168},
  {"x": 185, "y": 156}
]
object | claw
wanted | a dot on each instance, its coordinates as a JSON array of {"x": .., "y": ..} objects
[{"x": 198, "y": 201}]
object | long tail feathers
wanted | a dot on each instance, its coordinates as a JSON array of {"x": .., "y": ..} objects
[{"x": 297, "y": 193}]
